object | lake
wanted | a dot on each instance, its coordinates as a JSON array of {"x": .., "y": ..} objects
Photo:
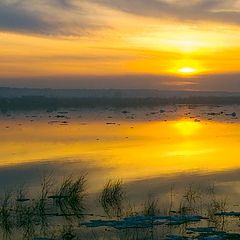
[{"x": 155, "y": 152}]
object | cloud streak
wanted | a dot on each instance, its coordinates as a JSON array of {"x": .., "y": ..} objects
[
  {"x": 55, "y": 17},
  {"x": 70, "y": 17},
  {"x": 196, "y": 10}
]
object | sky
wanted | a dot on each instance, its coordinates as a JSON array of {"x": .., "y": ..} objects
[{"x": 157, "y": 44}]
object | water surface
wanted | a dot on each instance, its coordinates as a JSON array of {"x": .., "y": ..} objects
[{"x": 132, "y": 145}]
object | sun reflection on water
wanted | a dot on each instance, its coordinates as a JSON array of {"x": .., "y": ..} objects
[
  {"x": 187, "y": 128},
  {"x": 130, "y": 150}
]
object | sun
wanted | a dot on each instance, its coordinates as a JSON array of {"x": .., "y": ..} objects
[
  {"x": 186, "y": 67},
  {"x": 187, "y": 70}
]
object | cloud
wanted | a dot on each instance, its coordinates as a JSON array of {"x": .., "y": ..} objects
[
  {"x": 12, "y": 18},
  {"x": 67, "y": 58},
  {"x": 55, "y": 17},
  {"x": 70, "y": 17},
  {"x": 195, "y": 10}
]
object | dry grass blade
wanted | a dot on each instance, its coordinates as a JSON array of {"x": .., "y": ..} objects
[
  {"x": 41, "y": 204},
  {"x": 191, "y": 200},
  {"x": 25, "y": 214},
  {"x": 6, "y": 221},
  {"x": 151, "y": 207},
  {"x": 70, "y": 198},
  {"x": 112, "y": 197}
]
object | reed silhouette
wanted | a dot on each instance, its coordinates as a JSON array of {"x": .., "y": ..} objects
[
  {"x": 59, "y": 212},
  {"x": 112, "y": 198}
]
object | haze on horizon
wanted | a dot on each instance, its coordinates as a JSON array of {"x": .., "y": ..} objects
[{"x": 161, "y": 44}]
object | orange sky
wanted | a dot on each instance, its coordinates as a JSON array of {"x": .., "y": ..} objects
[{"x": 107, "y": 37}]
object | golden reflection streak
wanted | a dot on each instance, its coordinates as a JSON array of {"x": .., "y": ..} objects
[
  {"x": 188, "y": 127},
  {"x": 151, "y": 149}
]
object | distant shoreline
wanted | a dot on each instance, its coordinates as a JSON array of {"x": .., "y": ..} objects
[
  {"x": 8, "y": 92},
  {"x": 14, "y": 99},
  {"x": 52, "y": 103}
]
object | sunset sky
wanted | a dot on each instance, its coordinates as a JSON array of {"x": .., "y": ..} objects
[{"x": 161, "y": 44}]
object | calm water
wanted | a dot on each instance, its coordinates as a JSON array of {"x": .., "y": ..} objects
[
  {"x": 152, "y": 151},
  {"x": 138, "y": 145}
]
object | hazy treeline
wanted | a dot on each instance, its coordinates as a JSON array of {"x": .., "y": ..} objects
[{"x": 34, "y": 102}]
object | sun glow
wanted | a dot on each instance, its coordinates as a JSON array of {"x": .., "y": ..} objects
[
  {"x": 187, "y": 70},
  {"x": 187, "y": 67}
]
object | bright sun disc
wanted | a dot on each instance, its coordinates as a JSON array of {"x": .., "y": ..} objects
[{"x": 187, "y": 70}]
